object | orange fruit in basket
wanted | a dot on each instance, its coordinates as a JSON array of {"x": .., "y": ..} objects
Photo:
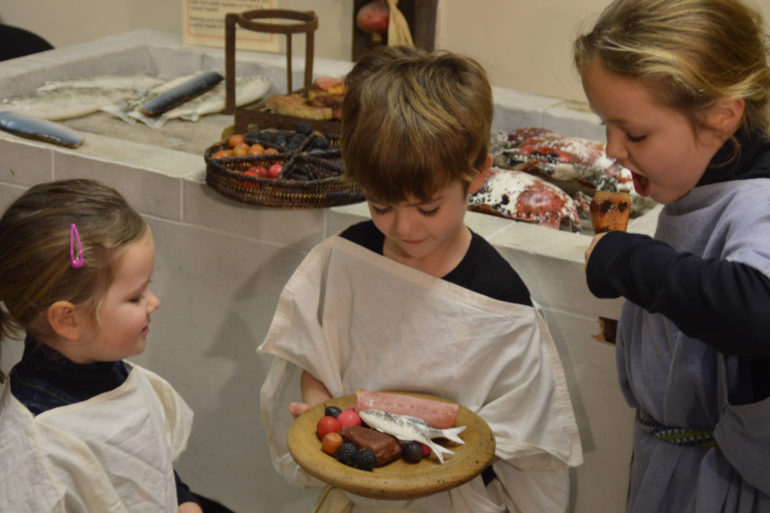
[
  {"x": 240, "y": 150},
  {"x": 256, "y": 149},
  {"x": 235, "y": 140},
  {"x": 221, "y": 154},
  {"x": 271, "y": 151}
]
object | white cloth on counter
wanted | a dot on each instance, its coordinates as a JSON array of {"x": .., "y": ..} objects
[
  {"x": 111, "y": 453},
  {"x": 355, "y": 319}
]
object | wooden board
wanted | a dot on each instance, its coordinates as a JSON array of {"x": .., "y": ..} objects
[{"x": 399, "y": 479}]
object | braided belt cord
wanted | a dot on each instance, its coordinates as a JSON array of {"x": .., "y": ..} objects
[{"x": 675, "y": 435}]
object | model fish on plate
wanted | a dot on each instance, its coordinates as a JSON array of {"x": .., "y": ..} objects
[
  {"x": 407, "y": 428},
  {"x": 524, "y": 197}
]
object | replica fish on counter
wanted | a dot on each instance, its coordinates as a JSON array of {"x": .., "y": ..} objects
[
  {"x": 181, "y": 93},
  {"x": 32, "y": 127},
  {"x": 248, "y": 89},
  {"x": 407, "y": 428},
  {"x": 64, "y": 102},
  {"x": 149, "y": 99},
  {"x": 138, "y": 83}
]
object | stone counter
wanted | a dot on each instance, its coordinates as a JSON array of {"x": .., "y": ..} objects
[{"x": 221, "y": 265}]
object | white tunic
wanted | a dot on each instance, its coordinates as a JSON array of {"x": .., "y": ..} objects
[
  {"x": 111, "y": 453},
  {"x": 355, "y": 319}
]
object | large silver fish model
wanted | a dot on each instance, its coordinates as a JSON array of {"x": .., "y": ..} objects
[
  {"x": 37, "y": 128},
  {"x": 248, "y": 90},
  {"x": 64, "y": 102},
  {"x": 181, "y": 93},
  {"x": 138, "y": 83},
  {"x": 408, "y": 428}
]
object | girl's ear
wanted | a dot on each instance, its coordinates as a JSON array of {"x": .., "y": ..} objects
[
  {"x": 63, "y": 318},
  {"x": 481, "y": 176},
  {"x": 726, "y": 115}
]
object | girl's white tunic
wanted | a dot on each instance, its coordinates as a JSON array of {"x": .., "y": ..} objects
[{"x": 111, "y": 453}]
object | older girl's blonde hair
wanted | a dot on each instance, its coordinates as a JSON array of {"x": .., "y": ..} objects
[{"x": 692, "y": 52}]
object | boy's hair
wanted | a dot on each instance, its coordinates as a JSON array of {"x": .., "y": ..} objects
[
  {"x": 693, "y": 52},
  {"x": 35, "y": 264},
  {"x": 413, "y": 122}
]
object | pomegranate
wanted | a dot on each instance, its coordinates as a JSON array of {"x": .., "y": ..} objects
[{"x": 373, "y": 17}]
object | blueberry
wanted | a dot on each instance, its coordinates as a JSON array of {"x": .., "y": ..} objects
[
  {"x": 332, "y": 411},
  {"x": 365, "y": 459},
  {"x": 346, "y": 453}
]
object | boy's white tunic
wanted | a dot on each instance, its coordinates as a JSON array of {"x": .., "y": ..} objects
[
  {"x": 111, "y": 453},
  {"x": 355, "y": 319}
]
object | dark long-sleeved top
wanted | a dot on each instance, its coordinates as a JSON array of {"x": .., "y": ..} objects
[{"x": 722, "y": 303}]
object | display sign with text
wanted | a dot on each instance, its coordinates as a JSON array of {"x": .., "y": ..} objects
[{"x": 204, "y": 24}]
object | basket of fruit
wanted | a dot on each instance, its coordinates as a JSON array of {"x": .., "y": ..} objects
[{"x": 299, "y": 168}]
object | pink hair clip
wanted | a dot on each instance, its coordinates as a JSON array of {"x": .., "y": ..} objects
[{"x": 78, "y": 262}]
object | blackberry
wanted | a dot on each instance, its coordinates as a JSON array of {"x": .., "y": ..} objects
[
  {"x": 303, "y": 128},
  {"x": 320, "y": 142},
  {"x": 365, "y": 459},
  {"x": 346, "y": 453},
  {"x": 295, "y": 141}
]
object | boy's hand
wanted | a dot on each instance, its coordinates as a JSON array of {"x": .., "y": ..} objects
[
  {"x": 296, "y": 409},
  {"x": 591, "y": 246},
  {"x": 190, "y": 507}
]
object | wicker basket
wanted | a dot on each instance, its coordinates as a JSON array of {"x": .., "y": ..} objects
[{"x": 309, "y": 179}]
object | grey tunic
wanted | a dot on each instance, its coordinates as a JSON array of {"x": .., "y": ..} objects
[{"x": 681, "y": 381}]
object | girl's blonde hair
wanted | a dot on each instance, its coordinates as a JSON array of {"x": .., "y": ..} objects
[
  {"x": 35, "y": 261},
  {"x": 414, "y": 122},
  {"x": 692, "y": 52}
]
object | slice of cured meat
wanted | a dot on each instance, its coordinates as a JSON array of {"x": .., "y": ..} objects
[{"x": 438, "y": 414}]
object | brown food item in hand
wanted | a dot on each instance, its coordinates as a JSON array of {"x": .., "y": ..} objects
[
  {"x": 610, "y": 211},
  {"x": 385, "y": 447}
]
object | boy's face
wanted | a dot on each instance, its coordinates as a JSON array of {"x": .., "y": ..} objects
[{"x": 430, "y": 236}]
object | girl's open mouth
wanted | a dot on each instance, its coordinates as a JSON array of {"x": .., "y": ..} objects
[{"x": 641, "y": 184}]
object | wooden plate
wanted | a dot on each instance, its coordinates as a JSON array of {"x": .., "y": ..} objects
[{"x": 399, "y": 479}]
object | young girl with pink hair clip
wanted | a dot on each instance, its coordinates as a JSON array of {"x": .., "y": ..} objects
[{"x": 83, "y": 429}]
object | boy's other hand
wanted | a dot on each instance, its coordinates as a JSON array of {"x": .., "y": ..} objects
[{"x": 297, "y": 409}]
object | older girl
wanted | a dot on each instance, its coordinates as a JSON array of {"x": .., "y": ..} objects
[{"x": 683, "y": 88}]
